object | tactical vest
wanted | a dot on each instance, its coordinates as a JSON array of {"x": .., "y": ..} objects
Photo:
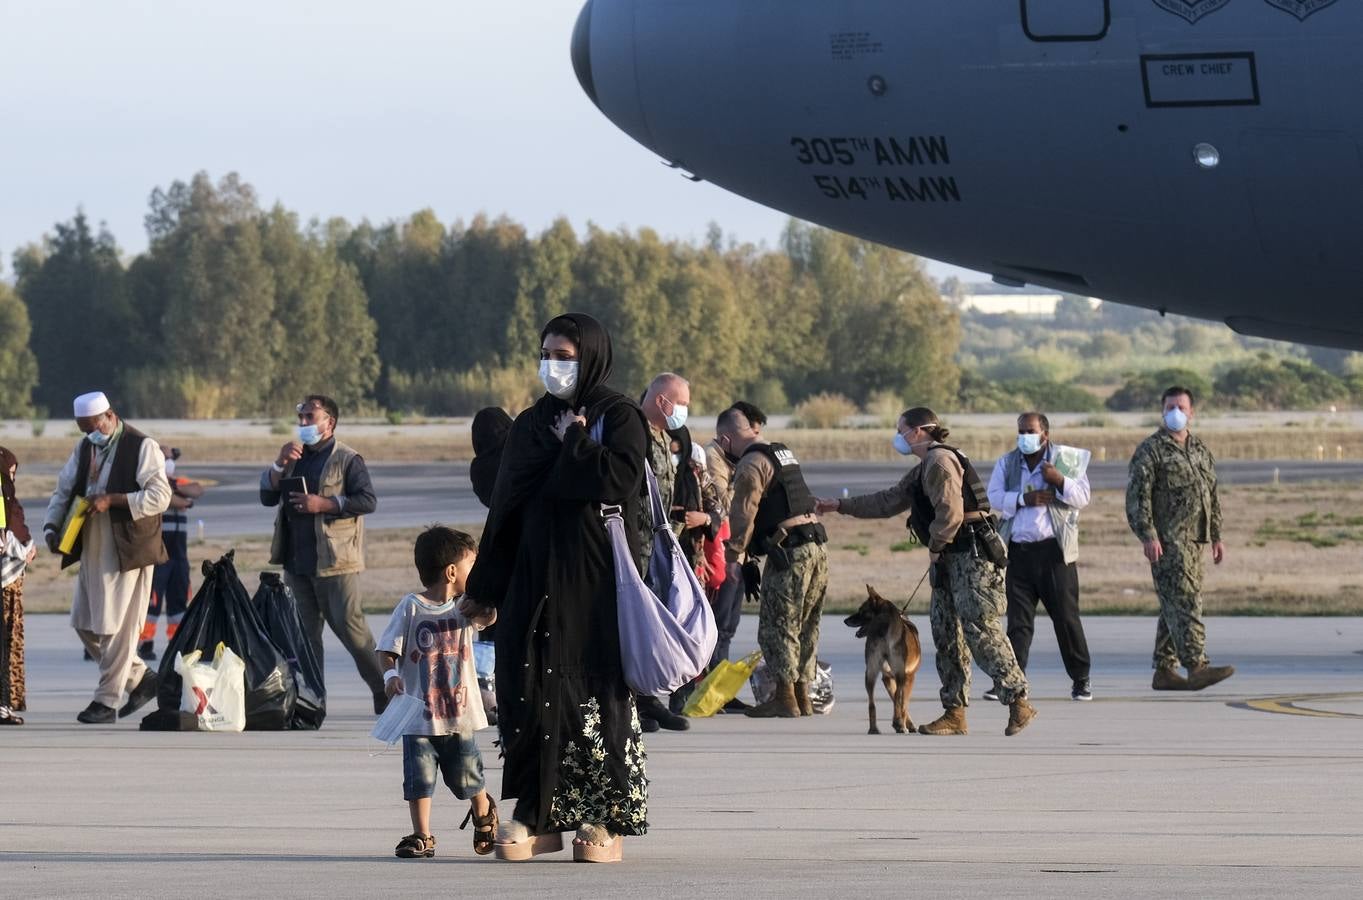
[
  {"x": 340, "y": 541},
  {"x": 974, "y": 498},
  {"x": 787, "y": 496},
  {"x": 137, "y": 542}
]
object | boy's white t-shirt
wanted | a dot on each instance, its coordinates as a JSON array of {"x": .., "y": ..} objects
[{"x": 434, "y": 646}]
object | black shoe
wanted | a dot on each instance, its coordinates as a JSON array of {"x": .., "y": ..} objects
[
  {"x": 653, "y": 709},
  {"x": 141, "y": 695},
  {"x": 1081, "y": 690},
  {"x": 97, "y": 714},
  {"x": 380, "y": 703},
  {"x": 735, "y": 706},
  {"x": 146, "y": 651},
  {"x": 647, "y": 725}
]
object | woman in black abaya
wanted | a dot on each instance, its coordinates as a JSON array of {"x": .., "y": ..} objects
[{"x": 570, "y": 734}]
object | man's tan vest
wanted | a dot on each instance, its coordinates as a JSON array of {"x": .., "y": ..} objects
[{"x": 340, "y": 542}]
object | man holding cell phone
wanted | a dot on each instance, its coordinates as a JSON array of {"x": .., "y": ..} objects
[{"x": 323, "y": 491}]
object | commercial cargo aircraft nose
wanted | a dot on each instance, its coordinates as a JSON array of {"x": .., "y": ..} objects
[{"x": 582, "y": 51}]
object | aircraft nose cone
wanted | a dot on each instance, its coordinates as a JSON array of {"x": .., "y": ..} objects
[
  {"x": 582, "y": 51},
  {"x": 604, "y": 49}
]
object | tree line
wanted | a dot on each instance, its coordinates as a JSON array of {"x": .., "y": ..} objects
[{"x": 239, "y": 310}]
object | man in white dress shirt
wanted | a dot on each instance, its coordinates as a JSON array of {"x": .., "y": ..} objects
[
  {"x": 1040, "y": 510},
  {"x": 122, "y": 474}
]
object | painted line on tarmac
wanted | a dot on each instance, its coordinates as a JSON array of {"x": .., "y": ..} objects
[{"x": 1288, "y": 706}]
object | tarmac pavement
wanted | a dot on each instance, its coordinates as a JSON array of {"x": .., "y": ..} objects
[{"x": 1248, "y": 789}]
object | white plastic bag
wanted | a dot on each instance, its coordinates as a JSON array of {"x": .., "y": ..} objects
[
  {"x": 403, "y": 712},
  {"x": 213, "y": 693}
]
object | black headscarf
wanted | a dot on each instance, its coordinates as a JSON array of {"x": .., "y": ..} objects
[
  {"x": 686, "y": 492},
  {"x": 14, "y": 513},
  {"x": 532, "y": 448},
  {"x": 491, "y": 428}
]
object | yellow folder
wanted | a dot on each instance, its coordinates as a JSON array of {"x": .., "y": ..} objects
[{"x": 75, "y": 520}]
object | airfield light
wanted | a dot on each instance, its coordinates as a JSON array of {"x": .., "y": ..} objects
[{"x": 1206, "y": 156}]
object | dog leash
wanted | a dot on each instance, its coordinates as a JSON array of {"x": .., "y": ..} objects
[{"x": 904, "y": 610}]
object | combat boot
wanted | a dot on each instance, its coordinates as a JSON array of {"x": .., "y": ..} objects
[
  {"x": 802, "y": 698},
  {"x": 952, "y": 721},
  {"x": 1205, "y": 676},
  {"x": 782, "y": 704},
  {"x": 1020, "y": 714},
  {"x": 1168, "y": 679}
]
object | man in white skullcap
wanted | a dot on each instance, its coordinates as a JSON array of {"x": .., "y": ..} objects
[{"x": 122, "y": 474}]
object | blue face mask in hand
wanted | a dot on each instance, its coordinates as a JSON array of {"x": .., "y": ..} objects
[
  {"x": 309, "y": 434},
  {"x": 98, "y": 438},
  {"x": 1029, "y": 443},
  {"x": 1176, "y": 419}
]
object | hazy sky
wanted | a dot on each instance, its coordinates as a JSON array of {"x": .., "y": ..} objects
[
  {"x": 357, "y": 109},
  {"x": 341, "y": 108}
]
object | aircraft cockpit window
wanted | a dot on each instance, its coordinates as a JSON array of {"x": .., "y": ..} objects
[{"x": 1065, "y": 20}]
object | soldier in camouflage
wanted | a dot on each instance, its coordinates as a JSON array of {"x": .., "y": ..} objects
[
  {"x": 665, "y": 405},
  {"x": 948, "y": 512},
  {"x": 772, "y": 515},
  {"x": 1172, "y": 506}
]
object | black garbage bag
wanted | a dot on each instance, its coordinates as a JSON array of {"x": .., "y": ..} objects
[
  {"x": 274, "y": 604},
  {"x": 222, "y": 611}
]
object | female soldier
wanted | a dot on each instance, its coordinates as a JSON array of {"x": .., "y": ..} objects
[{"x": 949, "y": 514}]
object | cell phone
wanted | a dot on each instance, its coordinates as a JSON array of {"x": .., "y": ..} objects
[{"x": 294, "y": 484}]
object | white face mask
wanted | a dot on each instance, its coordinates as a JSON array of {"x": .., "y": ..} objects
[
  {"x": 559, "y": 377},
  {"x": 1029, "y": 443},
  {"x": 170, "y": 467},
  {"x": 1176, "y": 420}
]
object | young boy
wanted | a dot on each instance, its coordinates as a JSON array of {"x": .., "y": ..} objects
[{"x": 427, "y": 650}]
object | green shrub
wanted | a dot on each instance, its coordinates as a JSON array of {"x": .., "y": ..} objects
[
  {"x": 824, "y": 411},
  {"x": 1142, "y": 390}
]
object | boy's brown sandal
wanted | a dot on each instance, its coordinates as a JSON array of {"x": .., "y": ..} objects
[
  {"x": 484, "y": 828},
  {"x": 415, "y": 846}
]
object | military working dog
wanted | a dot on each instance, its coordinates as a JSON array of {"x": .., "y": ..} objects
[{"x": 893, "y": 652}]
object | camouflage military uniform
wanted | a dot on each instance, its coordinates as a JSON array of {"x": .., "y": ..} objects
[
  {"x": 665, "y": 470},
  {"x": 792, "y": 604},
  {"x": 968, "y": 601},
  {"x": 1171, "y": 495},
  {"x": 965, "y": 614}
]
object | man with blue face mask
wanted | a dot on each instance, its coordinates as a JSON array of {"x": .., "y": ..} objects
[
  {"x": 319, "y": 534},
  {"x": 665, "y": 406},
  {"x": 1172, "y": 506},
  {"x": 1040, "y": 511}
]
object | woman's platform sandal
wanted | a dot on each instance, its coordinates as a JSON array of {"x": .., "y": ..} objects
[
  {"x": 594, "y": 844},
  {"x": 484, "y": 828},
  {"x": 415, "y": 846},
  {"x": 516, "y": 843}
]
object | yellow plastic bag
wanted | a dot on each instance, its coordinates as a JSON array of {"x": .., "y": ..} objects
[
  {"x": 76, "y": 514},
  {"x": 720, "y": 686}
]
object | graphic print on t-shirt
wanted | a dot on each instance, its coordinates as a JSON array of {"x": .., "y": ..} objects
[{"x": 438, "y": 653}]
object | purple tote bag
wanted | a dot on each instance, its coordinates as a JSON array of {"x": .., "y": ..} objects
[{"x": 665, "y": 641}]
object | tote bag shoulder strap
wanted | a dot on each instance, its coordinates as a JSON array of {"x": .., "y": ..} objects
[{"x": 597, "y": 432}]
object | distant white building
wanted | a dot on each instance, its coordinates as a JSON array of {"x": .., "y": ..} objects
[{"x": 1018, "y": 304}]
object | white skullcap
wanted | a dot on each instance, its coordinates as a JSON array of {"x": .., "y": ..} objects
[
  {"x": 91, "y": 404},
  {"x": 698, "y": 456}
]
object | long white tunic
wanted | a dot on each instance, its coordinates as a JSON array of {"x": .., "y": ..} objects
[{"x": 104, "y": 594}]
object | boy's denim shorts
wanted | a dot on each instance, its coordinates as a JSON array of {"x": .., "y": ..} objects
[{"x": 457, "y": 759}]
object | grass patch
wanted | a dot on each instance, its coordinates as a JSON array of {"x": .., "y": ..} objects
[
  {"x": 1320, "y": 530},
  {"x": 905, "y": 547},
  {"x": 858, "y": 549}
]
